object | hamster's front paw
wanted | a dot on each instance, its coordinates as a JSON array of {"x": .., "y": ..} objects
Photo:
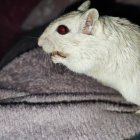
[{"x": 57, "y": 59}]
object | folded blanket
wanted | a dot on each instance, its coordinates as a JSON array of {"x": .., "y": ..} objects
[{"x": 43, "y": 101}]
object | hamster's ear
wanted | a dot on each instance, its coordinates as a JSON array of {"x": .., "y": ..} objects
[
  {"x": 84, "y": 6},
  {"x": 87, "y": 21}
]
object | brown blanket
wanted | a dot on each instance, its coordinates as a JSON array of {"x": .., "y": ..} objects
[{"x": 43, "y": 101}]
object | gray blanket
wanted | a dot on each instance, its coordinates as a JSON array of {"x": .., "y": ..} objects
[{"x": 43, "y": 101}]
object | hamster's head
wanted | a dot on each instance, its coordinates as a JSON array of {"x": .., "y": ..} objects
[{"x": 68, "y": 37}]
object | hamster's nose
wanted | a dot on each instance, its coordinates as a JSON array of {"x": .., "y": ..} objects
[{"x": 40, "y": 42}]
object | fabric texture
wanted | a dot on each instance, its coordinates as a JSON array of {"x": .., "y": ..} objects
[{"x": 43, "y": 101}]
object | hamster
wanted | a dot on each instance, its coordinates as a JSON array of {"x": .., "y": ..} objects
[{"x": 105, "y": 48}]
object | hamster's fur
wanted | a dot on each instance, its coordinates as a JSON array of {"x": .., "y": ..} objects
[{"x": 105, "y": 48}]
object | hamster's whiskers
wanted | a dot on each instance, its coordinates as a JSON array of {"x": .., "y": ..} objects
[{"x": 33, "y": 37}]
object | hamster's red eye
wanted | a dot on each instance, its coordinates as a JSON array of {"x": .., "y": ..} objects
[{"x": 62, "y": 29}]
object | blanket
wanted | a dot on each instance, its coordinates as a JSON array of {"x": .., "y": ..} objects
[{"x": 40, "y": 100}]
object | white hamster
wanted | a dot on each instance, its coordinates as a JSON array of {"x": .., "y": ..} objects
[{"x": 105, "y": 48}]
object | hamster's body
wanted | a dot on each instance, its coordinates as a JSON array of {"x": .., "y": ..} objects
[{"x": 105, "y": 48}]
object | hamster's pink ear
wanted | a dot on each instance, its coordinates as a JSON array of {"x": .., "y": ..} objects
[
  {"x": 87, "y": 21},
  {"x": 84, "y": 6}
]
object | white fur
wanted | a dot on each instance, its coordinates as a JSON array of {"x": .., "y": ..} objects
[{"x": 111, "y": 54}]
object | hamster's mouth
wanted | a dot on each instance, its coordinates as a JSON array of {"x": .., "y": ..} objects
[{"x": 60, "y": 54}]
